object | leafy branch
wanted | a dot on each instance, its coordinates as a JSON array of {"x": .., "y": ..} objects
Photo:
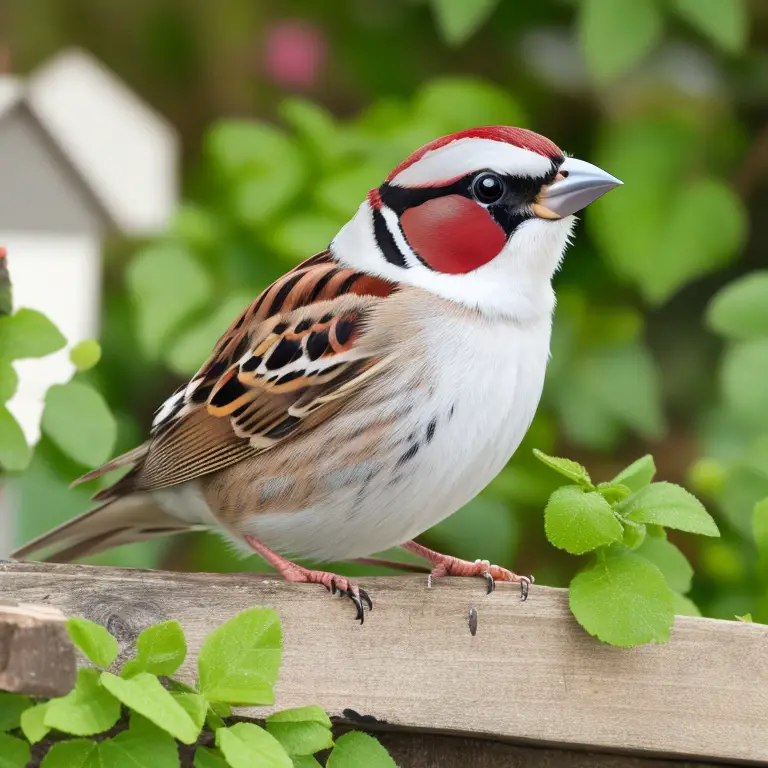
[
  {"x": 636, "y": 581},
  {"x": 237, "y": 665}
]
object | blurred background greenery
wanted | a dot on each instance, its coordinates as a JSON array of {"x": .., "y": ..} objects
[{"x": 289, "y": 112}]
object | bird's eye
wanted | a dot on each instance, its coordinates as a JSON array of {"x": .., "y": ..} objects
[{"x": 488, "y": 188}]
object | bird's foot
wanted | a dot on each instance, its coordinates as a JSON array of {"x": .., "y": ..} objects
[
  {"x": 446, "y": 565},
  {"x": 336, "y": 585}
]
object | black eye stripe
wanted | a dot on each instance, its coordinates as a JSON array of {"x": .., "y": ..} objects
[{"x": 520, "y": 191}]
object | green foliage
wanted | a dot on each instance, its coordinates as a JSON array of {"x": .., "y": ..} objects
[
  {"x": 88, "y": 709},
  {"x": 246, "y": 744},
  {"x": 301, "y": 731},
  {"x": 637, "y": 579},
  {"x": 616, "y": 34},
  {"x": 143, "y": 693},
  {"x": 580, "y": 521},
  {"x": 160, "y": 310},
  {"x": 725, "y": 23},
  {"x": 12, "y": 707},
  {"x": 359, "y": 750},
  {"x": 93, "y": 640},
  {"x": 160, "y": 649},
  {"x": 458, "y": 20},
  {"x": 14, "y": 753},
  {"x": 14, "y": 453},
  {"x": 79, "y": 421},
  {"x": 238, "y": 662},
  {"x": 239, "y": 659},
  {"x": 740, "y": 310},
  {"x": 668, "y": 505},
  {"x": 85, "y": 355},
  {"x": 684, "y": 222},
  {"x": 28, "y": 333},
  {"x": 623, "y": 599}
]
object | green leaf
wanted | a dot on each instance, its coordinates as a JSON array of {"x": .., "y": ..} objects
[
  {"x": 740, "y": 310},
  {"x": 684, "y": 606},
  {"x": 760, "y": 529},
  {"x": 194, "y": 704},
  {"x": 78, "y": 753},
  {"x": 245, "y": 745},
  {"x": 615, "y": 35},
  {"x": 14, "y": 753},
  {"x": 262, "y": 164},
  {"x": 14, "y": 451},
  {"x": 638, "y": 474},
  {"x": 9, "y": 381},
  {"x": 33, "y": 723},
  {"x": 145, "y": 694},
  {"x": 160, "y": 311},
  {"x": 93, "y": 640},
  {"x": 315, "y": 126},
  {"x": 706, "y": 228},
  {"x": 29, "y": 333},
  {"x": 746, "y": 618},
  {"x": 193, "y": 346},
  {"x": 669, "y": 560},
  {"x": 160, "y": 649},
  {"x": 725, "y": 22},
  {"x": 454, "y": 103},
  {"x": 90, "y": 708},
  {"x": 613, "y": 493},
  {"x": 196, "y": 226},
  {"x": 683, "y": 226},
  {"x": 744, "y": 370},
  {"x": 79, "y": 421},
  {"x": 359, "y": 750},
  {"x": 634, "y": 534},
  {"x": 458, "y": 20},
  {"x": 301, "y": 731},
  {"x": 143, "y": 745},
  {"x": 12, "y": 705},
  {"x": 579, "y": 522},
  {"x": 85, "y": 355},
  {"x": 669, "y": 505},
  {"x": 570, "y": 469},
  {"x": 209, "y": 758},
  {"x": 238, "y": 661},
  {"x": 305, "y": 761},
  {"x": 623, "y": 600},
  {"x": 303, "y": 233}
]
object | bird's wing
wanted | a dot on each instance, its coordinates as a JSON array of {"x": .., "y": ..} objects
[{"x": 290, "y": 361}]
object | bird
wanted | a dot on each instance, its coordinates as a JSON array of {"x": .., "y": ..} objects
[{"x": 377, "y": 387}]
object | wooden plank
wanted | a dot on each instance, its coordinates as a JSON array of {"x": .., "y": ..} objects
[
  {"x": 36, "y": 654},
  {"x": 530, "y": 673}
]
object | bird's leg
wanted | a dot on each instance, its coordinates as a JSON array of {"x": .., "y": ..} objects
[
  {"x": 336, "y": 585},
  {"x": 446, "y": 565}
]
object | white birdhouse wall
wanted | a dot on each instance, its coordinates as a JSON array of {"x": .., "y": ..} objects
[{"x": 59, "y": 275}]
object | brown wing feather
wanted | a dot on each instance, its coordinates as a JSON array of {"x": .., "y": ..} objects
[{"x": 286, "y": 364}]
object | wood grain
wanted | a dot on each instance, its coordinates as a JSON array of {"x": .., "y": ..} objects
[
  {"x": 530, "y": 674},
  {"x": 36, "y": 654}
]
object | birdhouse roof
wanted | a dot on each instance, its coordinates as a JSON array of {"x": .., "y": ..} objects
[{"x": 123, "y": 152}]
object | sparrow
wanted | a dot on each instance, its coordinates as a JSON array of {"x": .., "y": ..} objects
[{"x": 377, "y": 387}]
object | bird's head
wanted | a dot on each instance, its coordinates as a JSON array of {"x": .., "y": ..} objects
[{"x": 481, "y": 217}]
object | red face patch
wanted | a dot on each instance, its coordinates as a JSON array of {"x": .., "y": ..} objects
[{"x": 453, "y": 234}]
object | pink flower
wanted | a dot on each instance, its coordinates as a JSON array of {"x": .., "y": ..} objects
[{"x": 295, "y": 52}]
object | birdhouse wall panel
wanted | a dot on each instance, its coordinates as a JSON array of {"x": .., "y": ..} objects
[
  {"x": 40, "y": 191},
  {"x": 59, "y": 275}
]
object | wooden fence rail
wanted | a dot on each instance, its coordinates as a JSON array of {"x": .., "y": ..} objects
[{"x": 529, "y": 681}]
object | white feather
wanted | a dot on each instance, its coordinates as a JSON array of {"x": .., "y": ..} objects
[{"x": 468, "y": 155}]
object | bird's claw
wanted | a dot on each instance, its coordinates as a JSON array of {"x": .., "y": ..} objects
[{"x": 355, "y": 594}]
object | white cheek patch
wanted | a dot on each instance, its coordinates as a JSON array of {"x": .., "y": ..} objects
[{"x": 468, "y": 155}]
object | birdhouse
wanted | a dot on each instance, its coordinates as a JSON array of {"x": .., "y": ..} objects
[{"x": 81, "y": 156}]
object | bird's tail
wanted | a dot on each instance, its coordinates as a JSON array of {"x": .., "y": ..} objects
[{"x": 123, "y": 520}]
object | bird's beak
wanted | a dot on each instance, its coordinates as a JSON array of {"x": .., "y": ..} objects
[{"x": 576, "y": 185}]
